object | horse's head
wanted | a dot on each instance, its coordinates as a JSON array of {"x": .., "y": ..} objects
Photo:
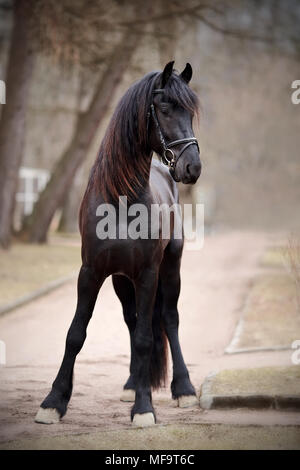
[{"x": 171, "y": 133}]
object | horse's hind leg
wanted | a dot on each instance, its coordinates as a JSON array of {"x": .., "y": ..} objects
[
  {"x": 126, "y": 293},
  {"x": 55, "y": 404},
  {"x": 181, "y": 386}
]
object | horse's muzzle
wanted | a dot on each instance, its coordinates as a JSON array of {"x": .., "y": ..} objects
[{"x": 192, "y": 173}]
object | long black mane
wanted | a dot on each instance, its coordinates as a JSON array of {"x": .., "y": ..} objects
[{"x": 122, "y": 165}]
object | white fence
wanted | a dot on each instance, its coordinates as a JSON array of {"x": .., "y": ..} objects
[
  {"x": 2, "y": 92},
  {"x": 32, "y": 182}
]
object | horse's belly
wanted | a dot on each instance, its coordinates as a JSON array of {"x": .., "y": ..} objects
[{"x": 129, "y": 257}]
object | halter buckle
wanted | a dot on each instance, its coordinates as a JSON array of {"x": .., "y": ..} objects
[{"x": 168, "y": 160}]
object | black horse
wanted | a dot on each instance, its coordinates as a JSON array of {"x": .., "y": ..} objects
[{"x": 155, "y": 114}]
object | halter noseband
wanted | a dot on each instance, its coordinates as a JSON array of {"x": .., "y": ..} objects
[{"x": 168, "y": 157}]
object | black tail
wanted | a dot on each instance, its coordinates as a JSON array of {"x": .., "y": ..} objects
[{"x": 159, "y": 358}]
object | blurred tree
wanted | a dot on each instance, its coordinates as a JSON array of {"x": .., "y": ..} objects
[
  {"x": 35, "y": 226},
  {"x": 169, "y": 22},
  {"x": 166, "y": 34},
  {"x": 70, "y": 209},
  {"x": 130, "y": 23},
  {"x": 69, "y": 218},
  {"x": 12, "y": 124},
  {"x": 99, "y": 32}
]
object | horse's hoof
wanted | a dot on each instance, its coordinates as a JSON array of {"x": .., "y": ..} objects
[
  {"x": 128, "y": 395},
  {"x": 187, "y": 401},
  {"x": 143, "y": 420},
  {"x": 47, "y": 416}
]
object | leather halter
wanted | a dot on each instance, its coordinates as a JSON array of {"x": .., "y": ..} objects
[{"x": 168, "y": 157}]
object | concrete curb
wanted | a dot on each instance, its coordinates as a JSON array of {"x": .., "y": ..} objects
[
  {"x": 232, "y": 350},
  {"x": 37, "y": 293},
  {"x": 210, "y": 401},
  {"x": 277, "y": 402}
]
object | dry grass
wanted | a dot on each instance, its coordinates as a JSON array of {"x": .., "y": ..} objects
[
  {"x": 273, "y": 258},
  {"x": 270, "y": 317},
  {"x": 26, "y": 268}
]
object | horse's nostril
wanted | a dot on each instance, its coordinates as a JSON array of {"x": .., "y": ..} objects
[{"x": 192, "y": 172}]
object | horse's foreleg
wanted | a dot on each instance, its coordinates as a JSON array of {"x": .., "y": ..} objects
[
  {"x": 126, "y": 293},
  {"x": 55, "y": 404},
  {"x": 181, "y": 386},
  {"x": 142, "y": 413}
]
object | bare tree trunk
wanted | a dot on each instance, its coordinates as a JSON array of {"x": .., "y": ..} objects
[
  {"x": 69, "y": 217},
  {"x": 70, "y": 210},
  {"x": 12, "y": 124},
  {"x": 36, "y": 226}
]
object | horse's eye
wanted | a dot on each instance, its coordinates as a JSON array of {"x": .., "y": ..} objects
[{"x": 164, "y": 107}]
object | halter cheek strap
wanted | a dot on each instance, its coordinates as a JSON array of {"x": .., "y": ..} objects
[{"x": 168, "y": 156}]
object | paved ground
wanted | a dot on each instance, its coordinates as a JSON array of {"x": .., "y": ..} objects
[
  {"x": 215, "y": 282},
  {"x": 203, "y": 436}
]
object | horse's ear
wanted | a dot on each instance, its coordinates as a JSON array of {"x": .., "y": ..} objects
[
  {"x": 187, "y": 73},
  {"x": 167, "y": 73}
]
